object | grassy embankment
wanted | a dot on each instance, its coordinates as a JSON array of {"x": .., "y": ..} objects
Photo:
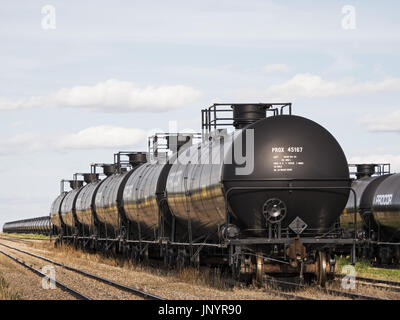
[
  {"x": 366, "y": 269},
  {"x": 25, "y": 235}
]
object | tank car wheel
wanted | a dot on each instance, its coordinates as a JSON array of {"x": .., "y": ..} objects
[
  {"x": 92, "y": 245},
  {"x": 322, "y": 267},
  {"x": 103, "y": 248},
  {"x": 180, "y": 261},
  {"x": 114, "y": 250},
  {"x": 171, "y": 254},
  {"x": 75, "y": 243},
  {"x": 134, "y": 255},
  {"x": 396, "y": 258},
  {"x": 259, "y": 272},
  {"x": 126, "y": 251}
]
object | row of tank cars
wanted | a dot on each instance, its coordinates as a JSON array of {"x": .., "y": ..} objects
[
  {"x": 40, "y": 225},
  {"x": 197, "y": 199},
  {"x": 378, "y": 212}
]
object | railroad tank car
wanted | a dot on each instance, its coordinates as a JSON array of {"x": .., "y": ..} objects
[
  {"x": 40, "y": 225},
  {"x": 142, "y": 197},
  {"x": 378, "y": 231},
  {"x": 386, "y": 209},
  {"x": 55, "y": 214},
  {"x": 67, "y": 207},
  {"x": 86, "y": 221},
  {"x": 85, "y": 214},
  {"x": 7, "y": 227},
  {"x": 288, "y": 164},
  {"x": 106, "y": 202},
  {"x": 364, "y": 186},
  {"x": 109, "y": 197}
]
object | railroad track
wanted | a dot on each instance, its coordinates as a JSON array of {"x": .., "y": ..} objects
[
  {"x": 112, "y": 283},
  {"x": 328, "y": 291},
  {"x": 287, "y": 295},
  {"x": 25, "y": 238},
  {"x": 376, "y": 283},
  {"x": 390, "y": 285},
  {"x": 59, "y": 284}
]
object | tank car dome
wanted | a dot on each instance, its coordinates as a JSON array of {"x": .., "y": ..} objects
[{"x": 289, "y": 152}]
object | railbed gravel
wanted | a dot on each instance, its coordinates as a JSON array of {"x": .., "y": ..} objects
[
  {"x": 89, "y": 287},
  {"x": 27, "y": 284}
]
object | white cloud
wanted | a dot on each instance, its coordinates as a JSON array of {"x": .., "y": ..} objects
[
  {"x": 276, "y": 68},
  {"x": 380, "y": 122},
  {"x": 111, "y": 96},
  {"x": 101, "y": 137},
  {"x": 22, "y": 123},
  {"x": 313, "y": 86},
  {"x": 97, "y": 137}
]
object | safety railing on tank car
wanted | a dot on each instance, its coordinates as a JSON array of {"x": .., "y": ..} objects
[
  {"x": 121, "y": 164},
  {"x": 159, "y": 146},
  {"x": 380, "y": 169},
  {"x": 211, "y": 117}
]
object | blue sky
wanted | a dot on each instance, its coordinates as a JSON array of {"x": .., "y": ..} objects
[{"x": 110, "y": 72}]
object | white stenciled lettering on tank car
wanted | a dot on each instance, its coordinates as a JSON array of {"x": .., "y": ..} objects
[
  {"x": 283, "y": 162},
  {"x": 383, "y": 199},
  {"x": 295, "y": 149}
]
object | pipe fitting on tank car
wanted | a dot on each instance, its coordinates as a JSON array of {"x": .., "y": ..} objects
[
  {"x": 75, "y": 184},
  {"x": 230, "y": 231},
  {"x": 109, "y": 169},
  {"x": 90, "y": 177},
  {"x": 365, "y": 170},
  {"x": 137, "y": 158},
  {"x": 274, "y": 210},
  {"x": 245, "y": 114}
]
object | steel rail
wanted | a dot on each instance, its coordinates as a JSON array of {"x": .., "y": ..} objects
[
  {"x": 375, "y": 283},
  {"x": 287, "y": 295},
  {"x": 371, "y": 280},
  {"x": 351, "y": 295},
  {"x": 284, "y": 294},
  {"x": 120, "y": 286},
  {"x": 60, "y": 285},
  {"x": 329, "y": 291}
]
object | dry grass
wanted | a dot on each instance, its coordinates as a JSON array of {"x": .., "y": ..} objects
[
  {"x": 6, "y": 293},
  {"x": 187, "y": 283},
  {"x": 205, "y": 277},
  {"x": 20, "y": 283},
  {"x": 25, "y": 235},
  {"x": 213, "y": 278}
]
